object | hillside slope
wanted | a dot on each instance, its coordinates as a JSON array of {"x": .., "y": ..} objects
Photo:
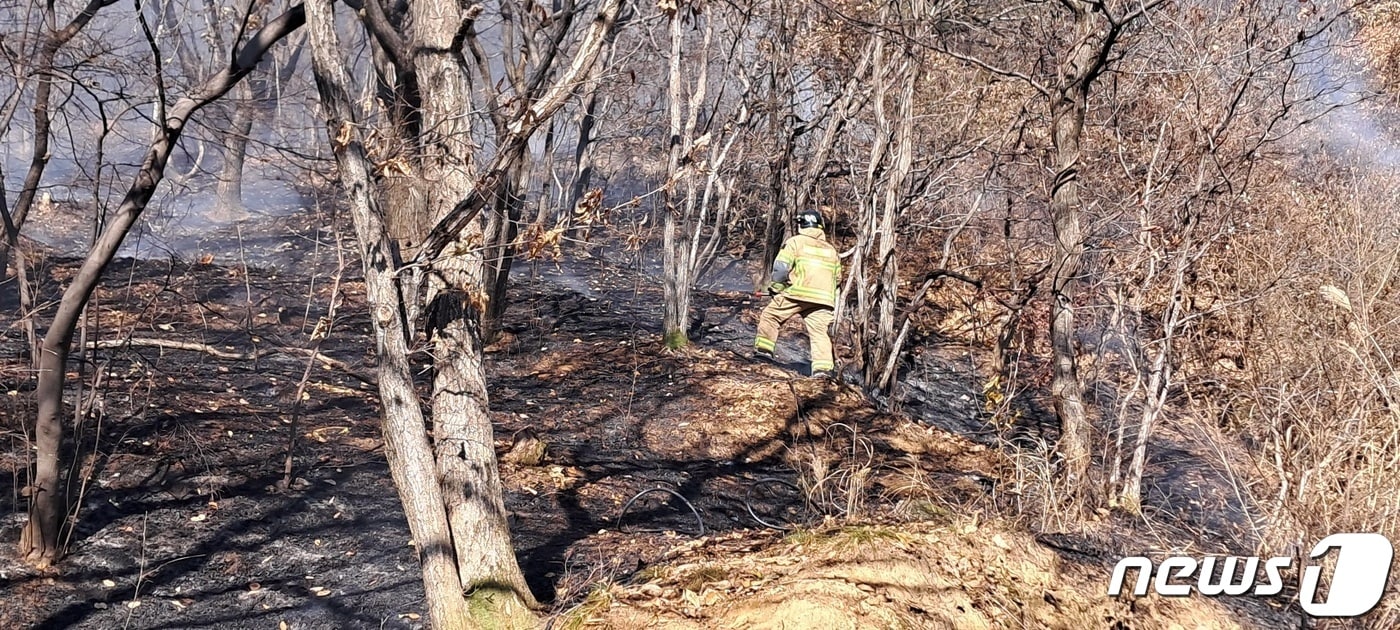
[{"x": 689, "y": 489}]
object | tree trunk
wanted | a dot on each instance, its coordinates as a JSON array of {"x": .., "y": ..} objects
[
  {"x": 676, "y": 289},
  {"x": 229, "y": 191},
  {"x": 584, "y": 153},
  {"x": 781, "y": 123},
  {"x": 466, "y": 524},
  {"x": 885, "y": 341},
  {"x": 550, "y": 197},
  {"x": 256, "y": 97},
  {"x": 675, "y": 268},
  {"x": 466, "y": 455},
  {"x": 1067, "y": 111},
  {"x": 884, "y": 197},
  {"x": 1159, "y": 380},
  {"x": 39, "y": 540},
  {"x": 501, "y": 231},
  {"x": 405, "y": 442}
]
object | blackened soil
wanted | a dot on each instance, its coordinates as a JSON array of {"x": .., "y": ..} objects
[{"x": 186, "y": 519}]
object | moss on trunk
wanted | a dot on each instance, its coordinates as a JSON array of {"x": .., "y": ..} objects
[
  {"x": 498, "y": 607},
  {"x": 676, "y": 340}
]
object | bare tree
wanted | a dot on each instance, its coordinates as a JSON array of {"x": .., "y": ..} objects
[
  {"x": 254, "y": 102},
  {"x": 1086, "y": 48},
  {"x": 585, "y": 147},
  {"x": 449, "y": 484},
  {"x": 39, "y": 542},
  {"x": 54, "y": 40},
  {"x": 804, "y": 134},
  {"x": 701, "y": 141},
  {"x": 887, "y": 180},
  {"x": 1233, "y": 107},
  {"x": 407, "y": 445},
  {"x": 683, "y": 104}
]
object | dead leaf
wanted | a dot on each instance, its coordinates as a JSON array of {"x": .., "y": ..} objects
[
  {"x": 342, "y": 139},
  {"x": 537, "y": 240}
]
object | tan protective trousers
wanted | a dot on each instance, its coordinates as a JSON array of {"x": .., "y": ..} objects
[{"x": 816, "y": 317}]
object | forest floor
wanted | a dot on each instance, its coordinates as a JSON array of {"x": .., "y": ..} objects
[{"x": 188, "y": 521}]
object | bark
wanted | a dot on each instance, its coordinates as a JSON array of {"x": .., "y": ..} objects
[
  {"x": 229, "y": 190},
  {"x": 39, "y": 540},
  {"x": 549, "y": 195},
  {"x": 676, "y": 286},
  {"x": 462, "y": 432},
  {"x": 676, "y": 289},
  {"x": 405, "y": 442},
  {"x": 781, "y": 120},
  {"x": 1068, "y": 105},
  {"x": 501, "y": 231}
]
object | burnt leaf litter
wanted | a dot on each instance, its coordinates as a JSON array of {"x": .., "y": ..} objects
[{"x": 187, "y": 521}]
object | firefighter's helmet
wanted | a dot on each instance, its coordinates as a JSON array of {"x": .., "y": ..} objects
[{"x": 810, "y": 218}]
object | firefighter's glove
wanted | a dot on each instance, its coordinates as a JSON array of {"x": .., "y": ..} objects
[{"x": 775, "y": 288}]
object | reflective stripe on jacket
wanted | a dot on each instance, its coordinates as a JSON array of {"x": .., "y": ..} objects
[{"x": 815, "y": 267}]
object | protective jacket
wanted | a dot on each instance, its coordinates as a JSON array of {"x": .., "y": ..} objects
[{"x": 810, "y": 266}]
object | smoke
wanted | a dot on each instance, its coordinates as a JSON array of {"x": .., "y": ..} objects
[{"x": 1355, "y": 129}]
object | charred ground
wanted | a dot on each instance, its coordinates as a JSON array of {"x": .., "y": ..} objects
[{"x": 188, "y": 520}]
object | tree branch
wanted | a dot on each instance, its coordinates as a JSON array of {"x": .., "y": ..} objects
[
  {"x": 377, "y": 22},
  {"x": 994, "y": 69},
  {"x": 159, "y": 112},
  {"x": 518, "y": 134}
]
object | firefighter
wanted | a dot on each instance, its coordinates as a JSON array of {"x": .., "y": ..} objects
[{"x": 805, "y": 276}]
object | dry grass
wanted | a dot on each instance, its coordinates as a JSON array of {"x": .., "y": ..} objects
[{"x": 963, "y": 575}]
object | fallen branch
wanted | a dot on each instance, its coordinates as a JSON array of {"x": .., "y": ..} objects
[
  {"x": 174, "y": 345},
  {"x": 170, "y": 344}
]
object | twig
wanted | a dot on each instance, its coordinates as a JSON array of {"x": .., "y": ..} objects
[
  {"x": 319, "y": 334},
  {"x": 140, "y": 576},
  {"x": 247, "y": 282},
  {"x": 803, "y": 416}
]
